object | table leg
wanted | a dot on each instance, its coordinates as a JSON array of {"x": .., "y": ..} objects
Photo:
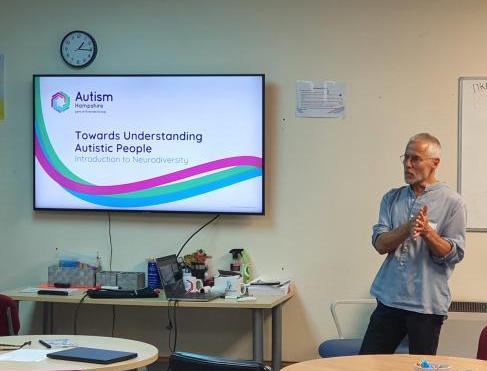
[
  {"x": 277, "y": 338},
  {"x": 47, "y": 323},
  {"x": 51, "y": 318},
  {"x": 258, "y": 334}
]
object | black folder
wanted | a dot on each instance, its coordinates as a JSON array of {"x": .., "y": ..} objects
[{"x": 92, "y": 355}]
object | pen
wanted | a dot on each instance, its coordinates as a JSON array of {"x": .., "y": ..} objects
[{"x": 44, "y": 343}]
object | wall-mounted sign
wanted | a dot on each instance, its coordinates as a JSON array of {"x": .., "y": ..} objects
[{"x": 320, "y": 99}]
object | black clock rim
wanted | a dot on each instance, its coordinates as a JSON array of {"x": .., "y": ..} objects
[{"x": 95, "y": 49}]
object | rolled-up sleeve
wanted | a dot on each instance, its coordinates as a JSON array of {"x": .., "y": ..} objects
[
  {"x": 384, "y": 223},
  {"x": 454, "y": 232}
]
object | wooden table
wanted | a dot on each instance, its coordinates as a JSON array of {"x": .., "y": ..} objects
[
  {"x": 272, "y": 303},
  {"x": 146, "y": 353},
  {"x": 385, "y": 362}
]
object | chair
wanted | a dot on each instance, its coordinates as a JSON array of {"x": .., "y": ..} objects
[
  {"x": 9, "y": 316},
  {"x": 349, "y": 346},
  {"x": 184, "y": 361},
  {"x": 482, "y": 349}
]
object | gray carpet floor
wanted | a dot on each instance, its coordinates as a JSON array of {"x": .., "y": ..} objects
[{"x": 157, "y": 366}]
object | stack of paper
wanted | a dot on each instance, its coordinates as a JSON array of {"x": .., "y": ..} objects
[
  {"x": 259, "y": 287},
  {"x": 25, "y": 355}
]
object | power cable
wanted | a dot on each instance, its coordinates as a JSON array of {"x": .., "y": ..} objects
[
  {"x": 199, "y": 229},
  {"x": 75, "y": 325},
  {"x": 110, "y": 239},
  {"x": 110, "y": 264},
  {"x": 172, "y": 324}
]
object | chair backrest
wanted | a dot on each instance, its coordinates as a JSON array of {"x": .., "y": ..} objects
[
  {"x": 9, "y": 316},
  {"x": 482, "y": 349},
  {"x": 184, "y": 361},
  {"x": 350, "y": 346},
  {"x": 334, "y": 305}
]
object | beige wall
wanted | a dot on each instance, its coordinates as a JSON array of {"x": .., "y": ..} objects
[{"x": 400, "y": 61}]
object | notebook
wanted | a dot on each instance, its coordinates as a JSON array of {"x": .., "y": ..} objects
[
  {"x": 92, "y": 355},
  {"x": 173, "y": 284}
]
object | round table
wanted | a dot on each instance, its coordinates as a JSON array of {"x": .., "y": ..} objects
[
  {"x": 146, "y": 353},
  {"x": 385, "y": 362}
]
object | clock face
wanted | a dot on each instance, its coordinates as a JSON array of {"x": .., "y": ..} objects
[{"x": 78, "y": 49}]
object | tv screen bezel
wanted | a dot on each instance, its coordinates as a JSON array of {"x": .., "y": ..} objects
[{"x": 84, "y": 210}]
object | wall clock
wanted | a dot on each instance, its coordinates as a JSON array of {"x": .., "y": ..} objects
[{"x": 78, "y": 49}]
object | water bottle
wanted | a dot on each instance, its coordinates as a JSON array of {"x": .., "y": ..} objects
[{"x": 153, "y": 280}]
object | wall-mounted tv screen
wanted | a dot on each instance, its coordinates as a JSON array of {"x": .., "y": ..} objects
[{"x": 167, "y": 143}]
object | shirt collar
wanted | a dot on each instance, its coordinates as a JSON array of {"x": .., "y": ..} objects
[{"x": 429, "y": 188}]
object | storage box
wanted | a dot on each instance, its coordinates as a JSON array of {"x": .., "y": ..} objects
[
  {"x": 106, "y": 278},
  {"x": 73, "y": 276},
  {"x": 124, "y": 280}
]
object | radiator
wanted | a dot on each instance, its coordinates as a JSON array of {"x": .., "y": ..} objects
[{"x": 468, "y": 307}]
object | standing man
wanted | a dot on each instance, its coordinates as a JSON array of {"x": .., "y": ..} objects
[{"x": 421, "y": 228}]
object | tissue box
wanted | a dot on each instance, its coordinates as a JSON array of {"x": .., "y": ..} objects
[
  {"x": 73, "y": 276},
  {"x": 124, "y": 280}
]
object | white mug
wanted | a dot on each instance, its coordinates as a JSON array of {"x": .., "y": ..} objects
[
  {"x": 231, "y": 285},
  {"x": 192, "y": 284},
  {"x": 236, "y": 289}
]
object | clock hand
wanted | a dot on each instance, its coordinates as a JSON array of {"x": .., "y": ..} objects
[
  {"x": 79, "y": 47},
  {"x": 86, "y": 50}
]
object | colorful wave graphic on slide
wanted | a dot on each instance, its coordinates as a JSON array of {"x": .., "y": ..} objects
[{"x": 179, "y": 185}]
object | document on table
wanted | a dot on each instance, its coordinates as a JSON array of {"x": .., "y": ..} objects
[{"x": 26, "y": 355}]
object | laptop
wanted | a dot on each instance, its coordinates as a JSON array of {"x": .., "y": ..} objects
[
  {"x": 173, "y": 284},
  {"x": 92, "y": 355}
]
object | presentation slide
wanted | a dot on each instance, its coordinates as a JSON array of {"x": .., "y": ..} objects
[{"x": 149, "y": 142}]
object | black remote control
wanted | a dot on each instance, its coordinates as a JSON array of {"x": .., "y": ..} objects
[{"x": 52, "y": 292}]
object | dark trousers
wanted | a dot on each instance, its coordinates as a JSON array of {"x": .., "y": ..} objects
[{"x": 388, "y": 327}]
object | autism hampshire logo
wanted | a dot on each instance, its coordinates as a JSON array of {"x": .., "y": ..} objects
[{"x": 60, "y": 101}]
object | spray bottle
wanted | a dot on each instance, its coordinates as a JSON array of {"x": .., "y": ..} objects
[
  {"x": 245, "y": 269},
  {"x": 236, "y": 264}
]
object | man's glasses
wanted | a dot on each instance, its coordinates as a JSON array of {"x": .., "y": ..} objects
[
  {"x": 13, "y": 346},
  {"x": 415, "y": 160}
]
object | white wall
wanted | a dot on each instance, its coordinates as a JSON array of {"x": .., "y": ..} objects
[{"x": 400, "y": 61}]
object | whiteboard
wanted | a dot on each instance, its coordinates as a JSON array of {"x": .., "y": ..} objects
[{"x": 472, "y": 150}]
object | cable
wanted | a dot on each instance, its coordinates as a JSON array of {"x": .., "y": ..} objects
[
  {"x": 172, "y": 324},
  {"x": 110, "y": 239},
  {"x": 110, "y": 265},
  {"x": 199, "y": 229},
  {"x": 75, "y": 327},
  {"x": 176, "y": 303},
  {"x": 169, "y": 324},
  {"x": 76, "y": 316}
]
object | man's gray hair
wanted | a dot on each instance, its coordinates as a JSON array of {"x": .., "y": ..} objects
[{"x": 434, "y": 145}]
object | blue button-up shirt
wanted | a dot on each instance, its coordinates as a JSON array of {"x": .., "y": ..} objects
[{"x": 410, "y": 277}]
